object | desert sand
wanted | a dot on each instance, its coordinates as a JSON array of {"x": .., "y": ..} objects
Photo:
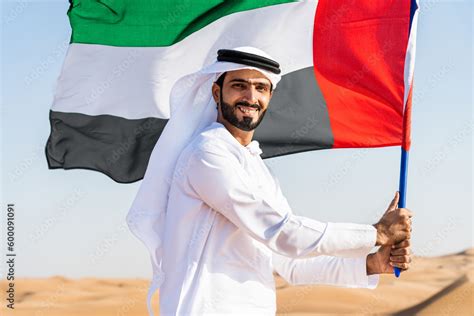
[{"x": 433, "y": 286}]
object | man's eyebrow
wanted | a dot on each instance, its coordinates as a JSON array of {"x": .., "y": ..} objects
[{"x": 247, "y": 81}]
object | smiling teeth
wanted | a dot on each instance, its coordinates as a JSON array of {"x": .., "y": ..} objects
[{"x": 246, "y": 110}]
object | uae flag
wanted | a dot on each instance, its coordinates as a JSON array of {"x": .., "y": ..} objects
[{"x": 347, "y": 69}]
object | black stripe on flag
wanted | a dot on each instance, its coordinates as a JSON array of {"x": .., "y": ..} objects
[{"x": 117, "y": 147}]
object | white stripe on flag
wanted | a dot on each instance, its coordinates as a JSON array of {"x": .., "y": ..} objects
[{"x": 410, "y": 57}]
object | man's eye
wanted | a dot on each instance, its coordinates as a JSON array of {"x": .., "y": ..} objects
[
  {"x": 238, "y": 85},
  {"x": 261, "y": 88}
]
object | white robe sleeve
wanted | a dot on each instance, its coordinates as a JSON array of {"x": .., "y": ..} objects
[
  {"x": 325, "y": 270},
  {"x": 218, "y": 179}
]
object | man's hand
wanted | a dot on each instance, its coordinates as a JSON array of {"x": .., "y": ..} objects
[
  {"x": 387, "y": 257},
  {"x": 395, "y": 224}
]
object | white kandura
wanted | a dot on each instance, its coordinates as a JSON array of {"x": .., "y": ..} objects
[{"x": 229, "y": 227}]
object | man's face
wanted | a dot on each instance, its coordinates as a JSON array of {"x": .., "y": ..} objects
[{"x": 244, "y": 98}]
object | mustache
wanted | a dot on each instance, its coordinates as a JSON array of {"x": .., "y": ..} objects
[{"x": 255, "y": 105}]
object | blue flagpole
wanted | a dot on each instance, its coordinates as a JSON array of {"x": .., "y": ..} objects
[{"x": 402, "y": 189}]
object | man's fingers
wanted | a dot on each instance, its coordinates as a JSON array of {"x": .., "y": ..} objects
[
  {"x": 403, "y": 266},
  {"x": 400, "y": 252},
  {"x": 393, "y": 205},
  {"x": 400, "y": 259},
  {"x": 402, "y": 244},
  {"x": 406, "y": 212},
  {"x": 405, "y": 219}
]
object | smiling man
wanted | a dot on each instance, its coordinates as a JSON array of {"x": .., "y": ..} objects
[
  {"x": 250, "y": 93},
  {"x": 228, "y": 225}
]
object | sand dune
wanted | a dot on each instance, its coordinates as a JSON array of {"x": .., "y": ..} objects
[
  {"x": 434, "y": 286},
  {"x": 448, "y": 301}
]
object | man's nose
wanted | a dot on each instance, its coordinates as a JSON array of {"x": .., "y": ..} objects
[{"x": 251, "y": 95}]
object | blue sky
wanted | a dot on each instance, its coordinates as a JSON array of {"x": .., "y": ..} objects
[{"x": 72, "y": 223}]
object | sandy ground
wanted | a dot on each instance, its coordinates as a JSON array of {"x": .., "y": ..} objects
[{"x": 434, "y": 286}]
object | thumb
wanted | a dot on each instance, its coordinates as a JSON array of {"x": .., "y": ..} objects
[{"x": 393, "y": 205}]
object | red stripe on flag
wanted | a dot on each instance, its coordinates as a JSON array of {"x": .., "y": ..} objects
[{"x": 359, "y": 52}]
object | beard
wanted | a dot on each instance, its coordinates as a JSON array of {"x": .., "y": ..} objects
[{"x": 246, "y": 124}]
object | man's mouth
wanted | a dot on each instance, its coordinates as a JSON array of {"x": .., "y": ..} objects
[{"x": 247, "y": 109}]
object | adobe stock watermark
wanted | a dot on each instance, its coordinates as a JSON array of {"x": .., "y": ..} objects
[
  {"x": 17, "y": 11},
  {"x": 25, "y": 164},
  {"x": 439, "y": 236},
  {"x": 51, "y": 301},
  {"x": 302, "y": 291},
  {"x": 10, "y": 255},
  {"x": 46, "y": 63},
  {"x": 299, "y": 134},
  {"x": 117, "y": 72},
  {"x": 105, "y": 245},
  {"x": 432, "y": 82},
  {"x": 124, "y": 147},
  {"x": 49, "y": 223},
  {"x": 348, "y": 165},
  {"x": 441, "y": 155},
  {"x": 131, "y": 301}
]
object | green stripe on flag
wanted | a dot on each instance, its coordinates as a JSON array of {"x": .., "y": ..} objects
[{"x": 150, "y": 23}]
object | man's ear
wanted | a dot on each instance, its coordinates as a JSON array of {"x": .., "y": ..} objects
[{"x": 215, "y": 92}]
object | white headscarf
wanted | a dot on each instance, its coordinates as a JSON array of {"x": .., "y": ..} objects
[{"x": 192, "y": 109}]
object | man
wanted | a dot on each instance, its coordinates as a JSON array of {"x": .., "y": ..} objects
[{"x": 228, "y": 225}]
